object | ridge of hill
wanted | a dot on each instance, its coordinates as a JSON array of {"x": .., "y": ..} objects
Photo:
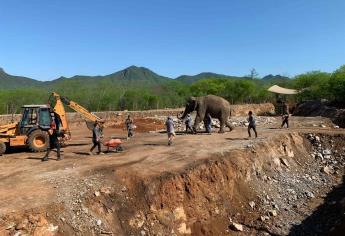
[
  {"x": 132, "y": 76},
  {"x": 8, "y": 81},
  {"x": 190, "y": 79}
]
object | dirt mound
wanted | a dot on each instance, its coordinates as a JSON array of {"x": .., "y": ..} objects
[
  {"x": 287, "y": 181},
  {"x": 257, "y": 109},
  {"x": 321, "y": 108},
  {"x": 143, "y": 125},
  {"x": 267, "y": 187}
]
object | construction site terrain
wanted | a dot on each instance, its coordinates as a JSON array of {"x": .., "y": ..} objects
[{"x": 285, "y": 182}]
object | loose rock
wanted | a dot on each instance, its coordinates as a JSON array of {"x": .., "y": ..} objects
[{"x": 236, "y": 227}]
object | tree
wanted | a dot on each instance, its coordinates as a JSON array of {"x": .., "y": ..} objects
[
  {"x": 253, "y": 74},
  {"x": 337, "y": 84},
  {"x": 314, "y": 84}
]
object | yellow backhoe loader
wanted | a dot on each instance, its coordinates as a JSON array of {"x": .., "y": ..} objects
[{"x": 32, "y": 130}]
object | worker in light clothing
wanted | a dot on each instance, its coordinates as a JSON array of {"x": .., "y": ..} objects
[
  {"x": 252, "y": 124},
  {"x": 96, "y": 138},
  {"x": 170, "y": 129}
]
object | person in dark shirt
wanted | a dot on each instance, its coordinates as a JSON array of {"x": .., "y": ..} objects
[
  {"x": 129, "y": 125},
  {"x": 208, "y": 123},
  {"x": 188, "y": 123},
  {"x": 252, "y": 124},
  {"x": 54, "y": 141},
  {"x": 96, "y": 138},
  {"x": 285, "y": 119}
]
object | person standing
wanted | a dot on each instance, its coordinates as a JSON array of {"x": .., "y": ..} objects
[
  {"x": 53, "y": 139},
  {"x": 208, "y": 123},
  {"x": 170, "y": 129},
  {"x": 96, "y": 138},
  {"x": 188, "y": 123},
  {"x": 129, "y": 125},
  {"x": 285, "y": 119},
  {"x": 252, "y": 124}
]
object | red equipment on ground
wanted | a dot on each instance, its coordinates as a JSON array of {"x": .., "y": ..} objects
[{"x": 114, "y": 145}]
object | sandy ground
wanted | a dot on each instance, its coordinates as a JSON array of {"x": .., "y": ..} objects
[
  {"x": 27, "y": 183},
  {"x": 24, "y": 178}
]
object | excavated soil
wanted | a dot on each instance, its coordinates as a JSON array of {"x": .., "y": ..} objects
[{"x": 285, "y": 182}]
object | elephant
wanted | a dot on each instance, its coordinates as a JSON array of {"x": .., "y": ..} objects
[{"x": 216, "y": 106}]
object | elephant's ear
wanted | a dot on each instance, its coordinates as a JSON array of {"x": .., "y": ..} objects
[{"x": 191, "y": 99}]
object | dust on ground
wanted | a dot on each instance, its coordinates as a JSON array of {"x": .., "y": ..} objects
[{"x": 218, "y": 184}]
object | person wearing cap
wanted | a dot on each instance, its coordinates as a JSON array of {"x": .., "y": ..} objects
[
  {"x": 188, "y": 123},
  {"x": 96, "y": 138},
  {"x": 170, "y": 129},
  {"x": 252, "y": 124},
  {"x": 54, "y": 138}
]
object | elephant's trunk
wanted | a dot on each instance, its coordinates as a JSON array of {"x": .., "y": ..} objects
[{"x": 184, "y": 114}]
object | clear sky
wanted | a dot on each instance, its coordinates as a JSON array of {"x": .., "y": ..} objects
[{"x": 45, "y": 39}]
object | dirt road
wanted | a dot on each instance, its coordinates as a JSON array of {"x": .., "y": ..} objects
[{"x": 148, "y": 188}]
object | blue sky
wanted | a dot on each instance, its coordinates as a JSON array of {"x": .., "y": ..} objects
[{"x": 46, "y": 39}]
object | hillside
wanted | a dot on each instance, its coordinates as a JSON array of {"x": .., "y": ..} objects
[
  {"x": 11, "y": 82},
  {"x": 275, "y": 79},
  {"x": 190, "y": 79},
  {"x": 132, "y": 76}
]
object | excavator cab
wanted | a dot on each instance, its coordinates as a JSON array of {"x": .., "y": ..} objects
[{"x": 34, "y": 117}]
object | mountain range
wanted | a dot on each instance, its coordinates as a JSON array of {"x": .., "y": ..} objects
[{"x": 131, "y": 76}]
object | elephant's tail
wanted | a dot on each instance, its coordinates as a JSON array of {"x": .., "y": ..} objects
[{"x": 232, "y": 112}]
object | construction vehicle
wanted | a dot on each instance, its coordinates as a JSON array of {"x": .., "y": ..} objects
[{"x": 32, "y": 130}]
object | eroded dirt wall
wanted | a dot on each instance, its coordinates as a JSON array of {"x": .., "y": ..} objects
[{"x": 111, "y": 116}]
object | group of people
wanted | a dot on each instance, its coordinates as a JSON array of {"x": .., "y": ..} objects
[
  {"x": 207, "y": 123},
  {"x": 55, "y": 135},
  {"x": 252, "y": 123},
  {"x": 189, "y": 126}
]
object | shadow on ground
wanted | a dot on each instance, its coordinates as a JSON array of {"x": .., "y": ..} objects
[{"x": 328, "y": 218}]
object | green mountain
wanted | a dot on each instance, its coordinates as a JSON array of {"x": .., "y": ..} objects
[
  {"x": 276, "y": 79},
  {"x": 11, "y": 82},
  {"x": 136, "y": 74},
  {"x": 190, "y": 79},
  {"x": 132, "y": 76}
]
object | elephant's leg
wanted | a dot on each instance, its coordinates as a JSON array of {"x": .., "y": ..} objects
[
  {"x": 196, "y": 123},
  {"x": 222, "y": 124},
  {"x": 229, "y": 125}
]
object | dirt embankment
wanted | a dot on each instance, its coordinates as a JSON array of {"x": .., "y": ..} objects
[
  {"x": 114, "y": 117},
  {"x": 270, "y": 187},
  {"x": 267, "y": 188},
  {"x": 321, "y": 108}
]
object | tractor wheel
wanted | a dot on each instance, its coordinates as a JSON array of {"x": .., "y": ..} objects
[
  {"x": 119, "y": 148},
  {"x": 38, "y": 141},
  {"x": 2, "y": 148}
]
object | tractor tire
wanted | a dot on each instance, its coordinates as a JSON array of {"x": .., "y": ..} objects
[
  {"x": 2, "y": 148},
  {"x": 119, "y": 148},
  {"x": 38, "y": 141}
]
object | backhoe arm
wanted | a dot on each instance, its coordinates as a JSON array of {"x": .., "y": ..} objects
[{"x": 75, "y": 106}]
